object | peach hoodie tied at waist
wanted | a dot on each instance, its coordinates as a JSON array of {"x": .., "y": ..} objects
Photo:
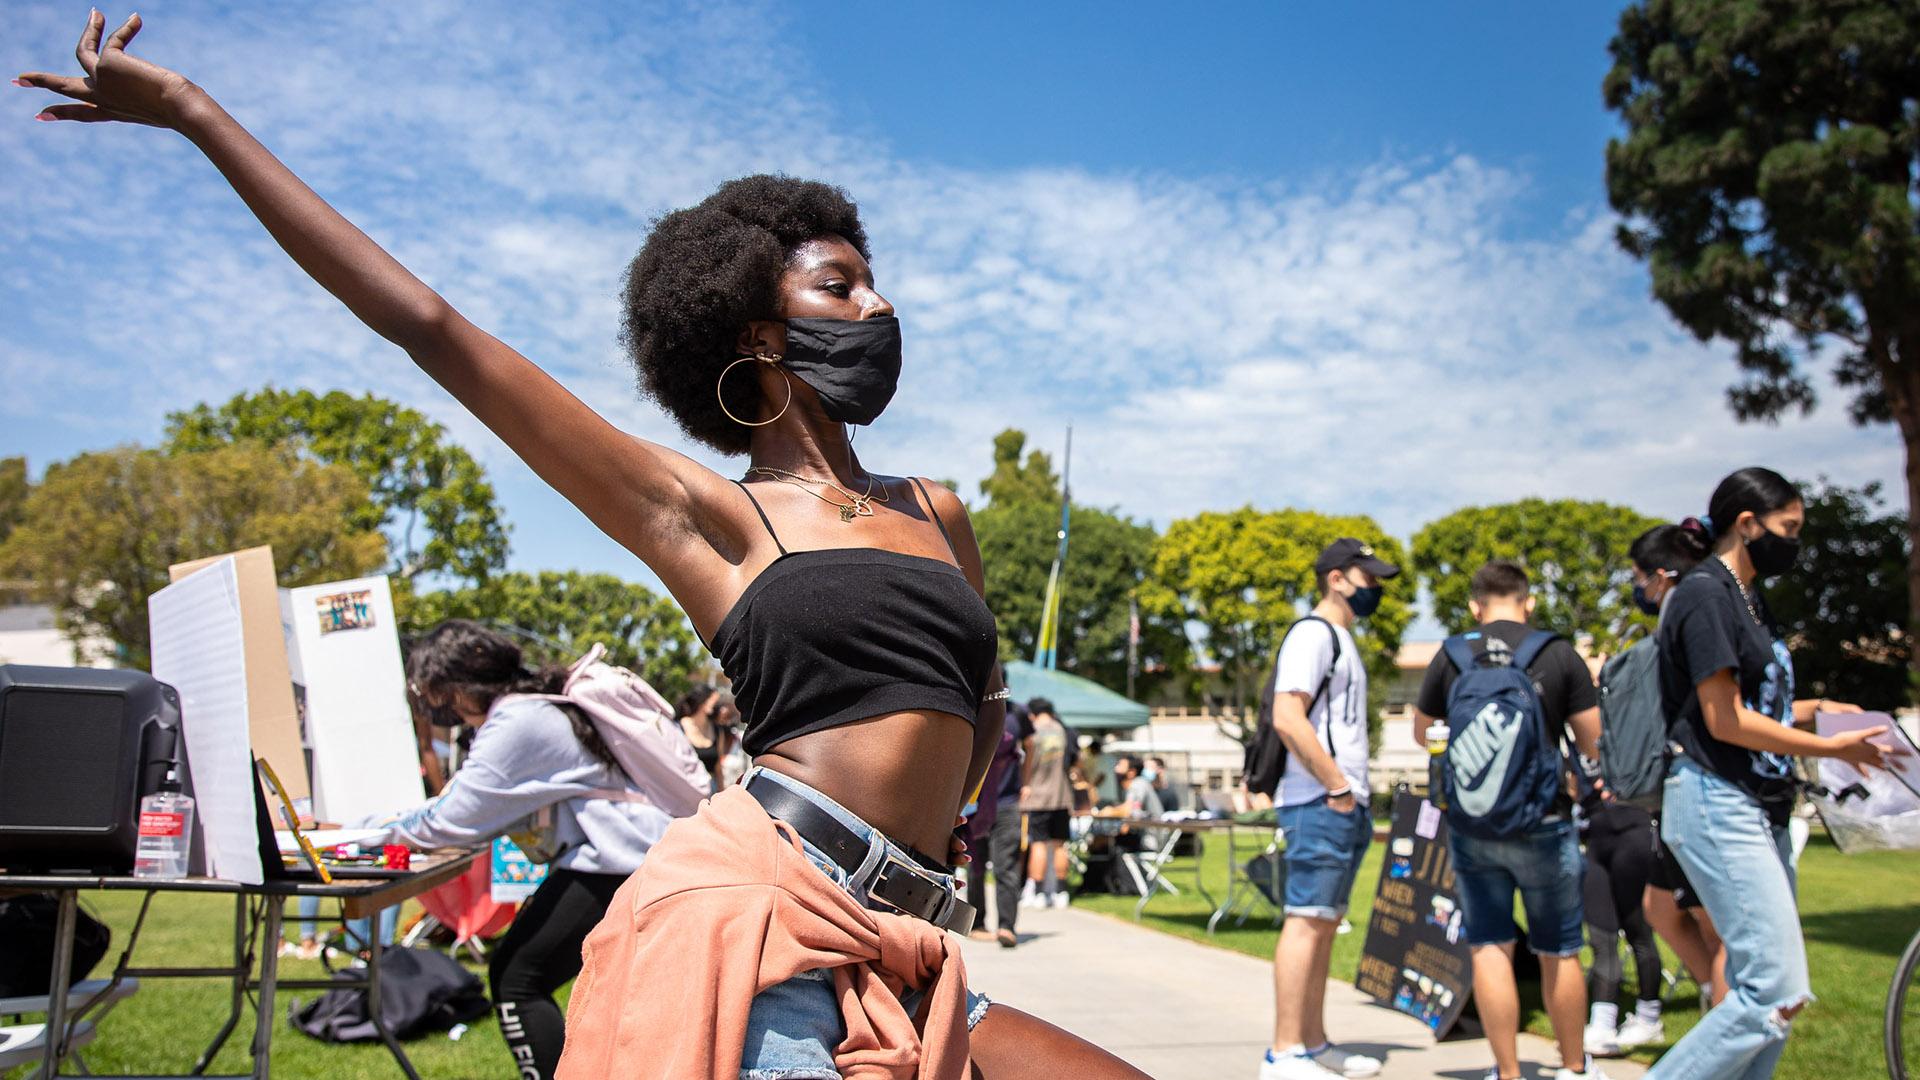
[{"x": 726, "y": 906}]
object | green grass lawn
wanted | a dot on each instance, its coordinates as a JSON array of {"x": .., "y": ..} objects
[
  {"x": 1858, "y": 912},
  {"x": 170, "y": 1021}
]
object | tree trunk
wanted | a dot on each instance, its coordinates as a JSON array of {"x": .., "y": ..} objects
[{"x": 1910, "y": 435}]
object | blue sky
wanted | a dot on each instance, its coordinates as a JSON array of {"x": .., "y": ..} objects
[{"x": 1356, "y": 258}]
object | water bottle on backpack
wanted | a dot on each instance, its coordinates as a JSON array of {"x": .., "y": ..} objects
[{"x": 1501, "y": 768}]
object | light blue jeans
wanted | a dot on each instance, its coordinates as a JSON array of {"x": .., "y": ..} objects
[
  {"x": 792, "y": 1027},
  {"x": 1740, "y": 864}
]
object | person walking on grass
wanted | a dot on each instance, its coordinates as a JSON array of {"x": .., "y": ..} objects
[
  {"x": 1727, "y": 676},
  {"x": 1509, "y": 694},
  {"x": 1320, "y": 710}
]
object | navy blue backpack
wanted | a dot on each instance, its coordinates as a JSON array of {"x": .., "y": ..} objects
[{"x": 1501, "y": 770}]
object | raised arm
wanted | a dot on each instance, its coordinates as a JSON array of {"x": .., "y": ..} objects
[{"x": 643, "y": 495}]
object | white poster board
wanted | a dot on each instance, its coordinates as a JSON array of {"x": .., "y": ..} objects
[
  {"x": 198, "y": 650},
  {"x": 345, "y": 649}
]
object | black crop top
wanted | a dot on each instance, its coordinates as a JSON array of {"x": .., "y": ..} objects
[{"x": 831, "y": 636}]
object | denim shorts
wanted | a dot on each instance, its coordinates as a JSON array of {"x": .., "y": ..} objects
[
  {"x": 792, "y": 1027},
  {"x": 1323, "y": 854},
  {"x": 1544, "y": 865}
]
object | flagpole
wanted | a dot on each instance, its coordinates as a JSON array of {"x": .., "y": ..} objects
[{"x": 1046, "y": 649}]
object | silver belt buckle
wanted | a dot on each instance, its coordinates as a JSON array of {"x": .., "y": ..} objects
[{"x": 950, "y": 900}]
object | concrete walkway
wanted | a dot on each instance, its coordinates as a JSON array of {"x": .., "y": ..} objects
[{"x": 1180, "y": 1010}]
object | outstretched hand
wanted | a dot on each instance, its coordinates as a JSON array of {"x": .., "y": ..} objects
[
  {"x": 1853, "y": 748},
  {"x": 117, "y": 86}
]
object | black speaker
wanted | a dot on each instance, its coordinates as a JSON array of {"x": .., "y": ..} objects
[{"x": 78, "y": 749}]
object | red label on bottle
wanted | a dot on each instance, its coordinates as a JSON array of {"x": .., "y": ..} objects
[{"x": 162, "y": 824}]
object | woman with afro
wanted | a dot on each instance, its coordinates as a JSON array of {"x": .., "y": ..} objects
[{"x": 797, "y": 926}]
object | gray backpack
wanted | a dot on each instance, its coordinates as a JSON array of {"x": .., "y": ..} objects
[{"x": 1633, "y": 726}]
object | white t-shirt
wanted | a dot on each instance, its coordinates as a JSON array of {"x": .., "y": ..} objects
[{"x": 1304, "y": 657}]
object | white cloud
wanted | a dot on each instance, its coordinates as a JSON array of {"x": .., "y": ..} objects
[{"x": 1387, "y": 341}]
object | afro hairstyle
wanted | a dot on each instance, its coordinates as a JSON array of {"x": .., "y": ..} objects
[{"x": 702, "y": 275}]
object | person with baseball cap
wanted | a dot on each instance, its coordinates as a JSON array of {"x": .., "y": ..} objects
[{"x": 1319, "y": 707}]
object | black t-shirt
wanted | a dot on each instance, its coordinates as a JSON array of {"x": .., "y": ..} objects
[
  {"x": 1706, "y": 627},
  {"x": 1560, "y": 677}
]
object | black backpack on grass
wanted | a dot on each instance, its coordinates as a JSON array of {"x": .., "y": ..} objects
[
  {"x": 421, "y": 991},
  {"x": 1266, "y": 756}
]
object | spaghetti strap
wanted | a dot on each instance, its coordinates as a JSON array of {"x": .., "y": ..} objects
[
  {"x": 763, "y": 517},
  {"x": 937, "y": 520}
]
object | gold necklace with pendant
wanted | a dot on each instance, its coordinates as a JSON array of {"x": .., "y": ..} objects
[{"x": 860, "y": 505}]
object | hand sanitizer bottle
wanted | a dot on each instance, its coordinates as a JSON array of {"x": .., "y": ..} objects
[{"x": 166, "y": 830}]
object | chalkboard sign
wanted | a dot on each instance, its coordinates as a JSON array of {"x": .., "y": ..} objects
[{"x": 1416, "y": 958}]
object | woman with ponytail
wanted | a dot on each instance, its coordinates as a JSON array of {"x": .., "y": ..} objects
[
  {"x": 1727, "y": 678},
  {"x": 1661, "y": 557},
  {"x": 532, "y": 761}
]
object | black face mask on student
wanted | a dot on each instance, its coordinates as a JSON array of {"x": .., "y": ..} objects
[
  {"x": 1646, "y": 604},
  {"x": 1773, "y": 554},
  {"x": 853, "y": 364}
]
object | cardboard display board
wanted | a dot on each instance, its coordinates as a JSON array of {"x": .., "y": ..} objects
[
  {"x": 342, "y": 643},
  {"x": 1416, "y": 958},
  {"x": 273, "y": 725}
]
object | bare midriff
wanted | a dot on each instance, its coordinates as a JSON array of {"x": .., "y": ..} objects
[{"x": 903, "y": 773}]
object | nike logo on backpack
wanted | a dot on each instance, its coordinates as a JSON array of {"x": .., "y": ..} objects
[{"x": 1481, "y": 753}]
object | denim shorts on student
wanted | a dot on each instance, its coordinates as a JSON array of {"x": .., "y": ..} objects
[
  {"x": 793, "y": 1027},
  {"x": 1323, "y": 853},
  {"x": 1544, "y": 866}
]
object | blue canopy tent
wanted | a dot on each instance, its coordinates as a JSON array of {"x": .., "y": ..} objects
[{"x": 1083, "y": 704}]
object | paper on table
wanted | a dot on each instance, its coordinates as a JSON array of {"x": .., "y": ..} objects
[
  {"x": 197, "y": 649},
  {"x": 1838, "y": 774},
  {"x": 325, "y": 838}
]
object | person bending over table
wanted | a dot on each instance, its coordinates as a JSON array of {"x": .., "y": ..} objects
[{"x": 542, "y": 766}]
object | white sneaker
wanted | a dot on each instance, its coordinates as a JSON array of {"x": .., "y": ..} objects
[
  {"x": 1032, "y": 900},
  {"x": 1293, "y": 1065},
  {"x": 1346, "y": 1062},
  {"x": 1592, "y": 1072},
  {"x": 1601, "y": 1041},
  {"x": 1637, "y": 1032},
  {"x": 1059, "y": 899}
]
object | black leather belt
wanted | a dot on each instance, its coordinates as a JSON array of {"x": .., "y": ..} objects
[{"x": 899, "y": 884}]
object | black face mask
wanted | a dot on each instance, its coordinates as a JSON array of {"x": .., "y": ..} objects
[
  {"x": 1772, "y": 554},
  {"x": 853, "y": 364},
  {"x": 1646, "y": 604},
  {"x": 1365, "y": 601}
]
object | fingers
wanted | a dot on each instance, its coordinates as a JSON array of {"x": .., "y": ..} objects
[
  {"x": 65, "y": 85},
  {"x": 86, "y": 114},
  {"x": 88, "y": 51},
  {"x": 117, "y": 41}
]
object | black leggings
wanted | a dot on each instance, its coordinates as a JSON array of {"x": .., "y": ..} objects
[
  {"x": 1619, "y": 859},
  {"x": 539, "y": 954},
  {"x": 1003, "y": 851}
]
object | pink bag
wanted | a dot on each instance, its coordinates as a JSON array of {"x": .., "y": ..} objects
[{"x": 639, "y": 728}]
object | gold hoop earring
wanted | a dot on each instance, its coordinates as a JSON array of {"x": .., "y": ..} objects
[{"x": 720, "y": 383}]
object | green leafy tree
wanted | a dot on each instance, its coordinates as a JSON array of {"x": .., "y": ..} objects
[
  {"x": 1844, "y": 606},
  {"x": 1767, "y": 177},
  {"x": 559, "y": 614},
  {"x": 1575, "y": 554},
  {"x": 428, "y": 494},
  {"x": 99, "y": 531},
  {"x": 1244, "y": 576},
  {"x": 1108, "y": 557},
  {"x": 13, "y": 494}
]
